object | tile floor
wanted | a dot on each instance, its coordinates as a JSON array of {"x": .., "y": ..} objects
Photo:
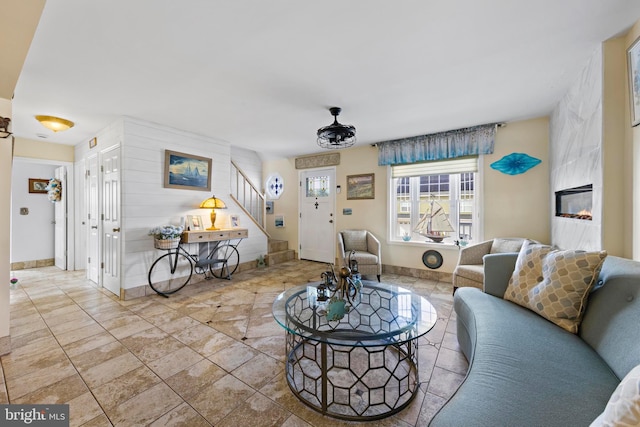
[{"x": 209, "y": 355}]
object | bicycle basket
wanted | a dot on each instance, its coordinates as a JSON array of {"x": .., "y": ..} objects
[{"x": 166, "y": 243}]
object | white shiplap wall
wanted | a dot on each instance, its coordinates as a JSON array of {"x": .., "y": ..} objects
[{"x": 146, "y": 203}]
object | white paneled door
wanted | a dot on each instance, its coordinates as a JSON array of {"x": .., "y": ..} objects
[
  {"x": 93, "y": 219},
  {"x": 317, "y": 215},
  {"x": 111, "y": 242},
  {"x": 60, "y": 227}
]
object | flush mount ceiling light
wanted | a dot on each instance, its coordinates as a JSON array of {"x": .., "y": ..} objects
[
  {"x": 56, "y": 124},
  {"x": 336, "y": 135}
]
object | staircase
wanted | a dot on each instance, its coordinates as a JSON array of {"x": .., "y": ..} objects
[
  {"x": 279, "y": 252},
  {"x": 252, "y": 202},
  {"x": 248, "y": 197}
]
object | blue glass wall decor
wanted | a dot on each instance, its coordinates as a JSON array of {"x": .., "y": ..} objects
[{"x": 515, "y": 163}]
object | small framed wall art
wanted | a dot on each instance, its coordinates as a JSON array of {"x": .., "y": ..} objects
[
  {"x": 361, "y": 186},
  {"x": 235, "y": 221},
  {"x": 37, "y": 185}
]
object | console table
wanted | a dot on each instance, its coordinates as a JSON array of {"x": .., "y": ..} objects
[{"x": 362, "y": 367}]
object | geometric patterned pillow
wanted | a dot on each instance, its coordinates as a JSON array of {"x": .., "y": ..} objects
[
  {"x": 355, "y": 240},
  {"x": 553, "y": 283},
  {"x": 623, "y": 408}
]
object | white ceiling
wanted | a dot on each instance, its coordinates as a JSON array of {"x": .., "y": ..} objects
[{"x": 262, "y": 74}]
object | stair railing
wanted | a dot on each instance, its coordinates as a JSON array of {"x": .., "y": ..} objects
[{"x": 248, "y": 197}]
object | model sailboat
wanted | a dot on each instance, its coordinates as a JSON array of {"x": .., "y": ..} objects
[{"x": 434, "y": 224}]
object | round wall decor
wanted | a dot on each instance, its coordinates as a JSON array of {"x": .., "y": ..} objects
[
  {"x": 432, "y": 259},
  {"x": 274, "y": 186}
]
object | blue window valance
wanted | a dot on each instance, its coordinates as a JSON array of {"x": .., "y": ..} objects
[{"x": 471, "y": 141}]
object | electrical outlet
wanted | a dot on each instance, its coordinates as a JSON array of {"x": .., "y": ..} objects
[{"x": 24, "y": 211}]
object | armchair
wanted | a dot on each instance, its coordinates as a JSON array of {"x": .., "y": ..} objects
[
  {"x": 367, "y": 251},
  {"x": 470, "y": 268}
]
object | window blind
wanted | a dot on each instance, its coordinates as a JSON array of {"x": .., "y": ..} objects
[{"x": 459, "y": 165}]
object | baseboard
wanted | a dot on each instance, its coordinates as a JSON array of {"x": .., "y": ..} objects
[
  {"x": 144, "y": 290},
  {"x": 5, "y": 345},
  {"x": 440, "y": 276},
  {"x": 23, "y": 265}
]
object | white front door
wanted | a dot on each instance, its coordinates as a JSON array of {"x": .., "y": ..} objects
[
  {"x": 317, "y": 215},
  {"x": 60, "y": 229},
  {"x": 93, "y": 219},
  {"x": 111, "y": 242}
]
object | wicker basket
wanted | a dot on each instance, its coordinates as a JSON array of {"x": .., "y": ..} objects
[{"x": 166, "y": 243}]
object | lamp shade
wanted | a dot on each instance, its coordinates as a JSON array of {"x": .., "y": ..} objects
[
  {"x": 213, "y": 203},
  {"x": 55, "y": 124}
]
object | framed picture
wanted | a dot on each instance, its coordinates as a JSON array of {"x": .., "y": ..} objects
[
  {"x": 279, "y": 221},
  {"x": 269, "y": 207},
  {"x": 186, "y": 171},
  {"x": 194, "y": 223},
  {"x": 633, "y": 61},
  {"x": 37, "y": 185},
  {"x": 93, "y": 143},
  {"x": 235, "y": 221},
  {"x": 361, "y": 186}
]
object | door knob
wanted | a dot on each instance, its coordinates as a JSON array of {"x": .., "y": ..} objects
[
  {"x": 95, "y": 227},
  {"x": 330, "y": 221},
  {"x": 116, "y": 230}
]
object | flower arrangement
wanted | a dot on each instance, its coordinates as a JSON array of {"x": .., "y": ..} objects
[
  {"x": 14, "y": 283},
  {"x": 166, "y": 232},
  {"x": 54, "y": 190}
]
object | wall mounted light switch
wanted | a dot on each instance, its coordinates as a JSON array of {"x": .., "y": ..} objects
[{"x": 24, "y": 211}]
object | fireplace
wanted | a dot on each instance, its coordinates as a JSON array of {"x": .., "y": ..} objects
[{"x": 575, "y": 202}]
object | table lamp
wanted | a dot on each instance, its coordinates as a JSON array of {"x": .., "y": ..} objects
[{"x": 213, "y": 203}]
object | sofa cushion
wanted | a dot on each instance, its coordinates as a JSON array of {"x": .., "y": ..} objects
[
  {"x": 503, "y": 245},
  {"x": 364, "y": 258},
  {"x": 610, "y": 324},
  {"x": 472, "y": 271},
  {"x": 355, "y": 240},
  {"x": 623, "y": 408},
  {"x": 524, "y": 370},
  {"x": 554, "y": 283}
]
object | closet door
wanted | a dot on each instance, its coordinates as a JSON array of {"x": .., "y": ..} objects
[
  {"x": 60, "y": 221},
  {"x": 111, "y": 241},
  {"x": 93, "y": 218}
]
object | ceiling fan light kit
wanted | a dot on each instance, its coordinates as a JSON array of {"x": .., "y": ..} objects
[{"x": 336, "y": 135}]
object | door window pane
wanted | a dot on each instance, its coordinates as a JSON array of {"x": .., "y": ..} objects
[{"x": 318, "y": 186}]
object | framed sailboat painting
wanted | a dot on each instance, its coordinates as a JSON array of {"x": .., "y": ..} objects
[{"x": 186, "y": 171}]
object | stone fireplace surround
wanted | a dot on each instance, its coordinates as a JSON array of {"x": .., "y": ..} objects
[
  {"x": 587, "y": 145},
  {"x": 575, "y": 155}
]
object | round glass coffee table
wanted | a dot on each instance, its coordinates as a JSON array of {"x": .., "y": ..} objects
[{"x": 363, "y": 366}]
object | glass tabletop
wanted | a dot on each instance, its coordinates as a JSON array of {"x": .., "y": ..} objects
[{"x": 382, "y": 314}]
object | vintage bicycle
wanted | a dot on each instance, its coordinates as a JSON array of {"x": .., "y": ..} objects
[{"x": 172, "y": 271}]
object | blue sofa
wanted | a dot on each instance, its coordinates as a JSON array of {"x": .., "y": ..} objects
[{"x": 525, "y": 370}]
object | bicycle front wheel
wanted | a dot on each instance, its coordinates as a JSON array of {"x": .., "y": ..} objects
[
  {"x": 170, "y": 273},
  {"x": 226, "y": 259}
]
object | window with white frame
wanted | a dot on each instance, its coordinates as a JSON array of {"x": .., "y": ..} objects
[{"x": 452, "y": 184}]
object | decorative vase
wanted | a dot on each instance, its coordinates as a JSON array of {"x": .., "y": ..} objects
[{"x": 166, "y": 243}]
